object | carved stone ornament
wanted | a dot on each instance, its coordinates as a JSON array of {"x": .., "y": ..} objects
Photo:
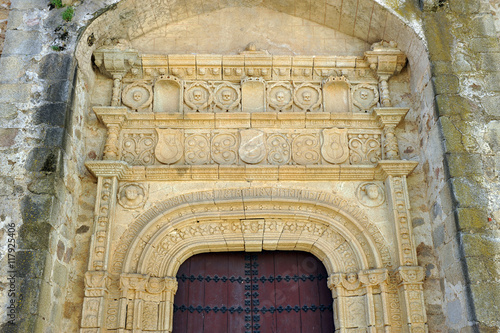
[
  {"x": 198, "y": 96},
  {"x": 169, "y": 148},
  {"x": 365, "y": 97},
  {"x": 410, "y": 274},
  {"x": 370, "y": 194},
  {"x": 335, "y": 149},
  {"x": 138, "y": 96},
  {"x": 227, "y": 97},
  {"x": 132, "y": 196},
  {"x": 279, "y": 96},
  {"x": 252, "y": 148},
  {"x": 308, "y": 97}
]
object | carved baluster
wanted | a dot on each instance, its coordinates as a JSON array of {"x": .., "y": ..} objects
[
  {"x": 390, "y": 118},
  {"x": 385, "y": 98},
  {"x": 113, "y": 118}
]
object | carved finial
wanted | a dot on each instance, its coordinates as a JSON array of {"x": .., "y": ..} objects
[{"x": 251, "y": 47}]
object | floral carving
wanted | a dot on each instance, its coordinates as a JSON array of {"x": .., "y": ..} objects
[
  {"x": 137, "y": 148},
  {"x": 305, "y": 149},
  {"x": 364, "y": 148}
]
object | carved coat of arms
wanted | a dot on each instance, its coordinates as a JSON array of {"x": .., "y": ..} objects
[
  {"x": 253, "y": 148},
  {"x": 169, "y": 148},
  {"x": 335, "y": 149}
]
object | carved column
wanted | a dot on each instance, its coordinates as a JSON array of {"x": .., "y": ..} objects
[
  {"x": 410, "y": 276},
  {"x": 167, "y": 305},
  {"x": 410, "y": 279},
  {"x": 349, "y": 300},
  {"x": 390, "y": 118},
  {"x": 93, "y": 303},
  {"x": 113, "y": 119},
  {"x": 375, "y": 281}
]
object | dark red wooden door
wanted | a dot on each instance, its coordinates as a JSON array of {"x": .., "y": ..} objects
[{"x": 265, "y": 292}]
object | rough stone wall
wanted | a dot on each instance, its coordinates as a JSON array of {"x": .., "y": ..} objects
[
  {"x": 47, "y": 131},
  {"x": 463, "y": 47},
  {"x": 4, "y": 13}
]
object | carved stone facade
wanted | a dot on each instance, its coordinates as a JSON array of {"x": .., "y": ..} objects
[{"x": 250, "y": 117}]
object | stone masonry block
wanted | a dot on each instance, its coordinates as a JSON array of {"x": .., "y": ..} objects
[
  {"x": 18, "y": 42},
  {"x": 469, "y": 193},
  {"x": 15, "y": 93},
  {"x": 446, "y": 84},
  {"x": 56, "y": 67},
  {"x": 12, "y": 68},
  {"x": 448, "y": 105},
  {"x": 492, "y": 81},
  {"x": 472, "y": 219},
  {"x": 481, "y": 245},
  {"x": 8, "y": 136},
  {"x": 53, "y": 114},
  {"x": 486, "y": 296},
  {"x": 491, "y": 105},
  {"x": 464, "y": 164},
  {"x": 30, "y": 263},
  {"x": 492, "y": 135},
  {"x": 28, "y": 4},
  {"x": 465, "y": 6},
  {"x": 490, "y": 61},
  {"x": 43, "y": 159},
  {"x": 59, "y": 91},
  {"x": 452, "y": 136},
  {"x": 483, "y": 269},
  {"x": 484, "y": 44}
]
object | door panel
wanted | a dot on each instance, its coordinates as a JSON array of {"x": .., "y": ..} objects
[{"x": 263, "y": 292}]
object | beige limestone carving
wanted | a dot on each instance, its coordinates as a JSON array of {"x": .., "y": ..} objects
[
  {"x": 138, "y": 96},
  {"x": 227, "y": 118},
  {"x": 370, "y": 194},
  {"x": 170, "y": 147},
  {"x": 132, "y": 196},
  {"x": 335, "y": 148}
]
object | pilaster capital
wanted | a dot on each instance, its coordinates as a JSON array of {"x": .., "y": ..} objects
[
  {"x": 391, "y": 116},
  {"x": 374, "y": 277},
  {"x": 410, "y": 274},
  {"x": 108, "y": 168},
  {"x": 397, "y": 167},
  {"x": 385, "y": 59}
]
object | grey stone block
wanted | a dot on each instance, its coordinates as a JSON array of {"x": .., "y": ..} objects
[
  {"x": 29, "y": 4},
  {"x": 53, "y": 114},
  {"x": 18, "y": 42},
  {"x": 12, "y": 68},
  {"x": 55, "y": 67},
  {"x": 43, "y": 160}
]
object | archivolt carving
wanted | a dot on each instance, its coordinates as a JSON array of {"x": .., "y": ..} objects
[{"x": 274, "y": 203}]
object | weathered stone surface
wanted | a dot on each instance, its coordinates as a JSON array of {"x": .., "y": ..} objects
[
  {"x": 18, "y": 42},
  {"x": 8, "y": 136},
  {"x": 43, "y": 159}
]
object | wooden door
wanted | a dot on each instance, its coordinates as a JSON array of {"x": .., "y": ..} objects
[{"x": 265, "y": 292}]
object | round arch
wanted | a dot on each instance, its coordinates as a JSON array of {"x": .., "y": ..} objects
[{"x": 255, "y": 219}]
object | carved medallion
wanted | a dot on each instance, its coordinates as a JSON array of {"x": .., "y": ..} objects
[
  {"x": 308, "y": 97},
  {"x": 197, "y": 148},
  {"x": 224, "y": 148},
  {"x": 305, "y": 149},
  {"x": 252, "y": 147},
  {"x": 169, "y": 148},
  {"x": 132, "y": 196},
  {"x": 279, "y": 149},
  {"x": 370, "y": 194},
  {"x": 365, "y": 97},
  {"x": 138, "y": 96},
  {"x": 227, "y": 97},
  {"x": 198, "y": 96},
  {"x": 279, "y": 96},
  {"x": 335, "y": 149}
]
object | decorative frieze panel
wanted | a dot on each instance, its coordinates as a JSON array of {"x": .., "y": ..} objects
[{"x": 250, "y": 146}]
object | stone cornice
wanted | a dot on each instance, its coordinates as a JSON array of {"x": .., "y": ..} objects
[{"x": 125, "y": 172}]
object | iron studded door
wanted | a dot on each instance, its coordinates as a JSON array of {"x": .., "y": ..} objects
[{"x": 263, "y": 292}]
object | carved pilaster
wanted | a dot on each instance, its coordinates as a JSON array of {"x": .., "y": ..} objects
[
  {"x": 93, "y": 303},
  {"x": 390, "y": 118},
  {"x": 397, "y": 191},
  {"x": 168, "y": 303},
  {"x": 410, "y": 282},
  {"x": 349, "y": 300},
  {"x": 103, "y": 215}
]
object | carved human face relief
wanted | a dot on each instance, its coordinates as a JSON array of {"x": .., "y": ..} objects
[
  {"x": 370, "y": 194},
  {"x": 197, "y": 95},
  {"x": 132, "y": 196}
]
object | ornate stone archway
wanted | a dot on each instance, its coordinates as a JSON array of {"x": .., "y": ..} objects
[{"x": 235, "y": 121}]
